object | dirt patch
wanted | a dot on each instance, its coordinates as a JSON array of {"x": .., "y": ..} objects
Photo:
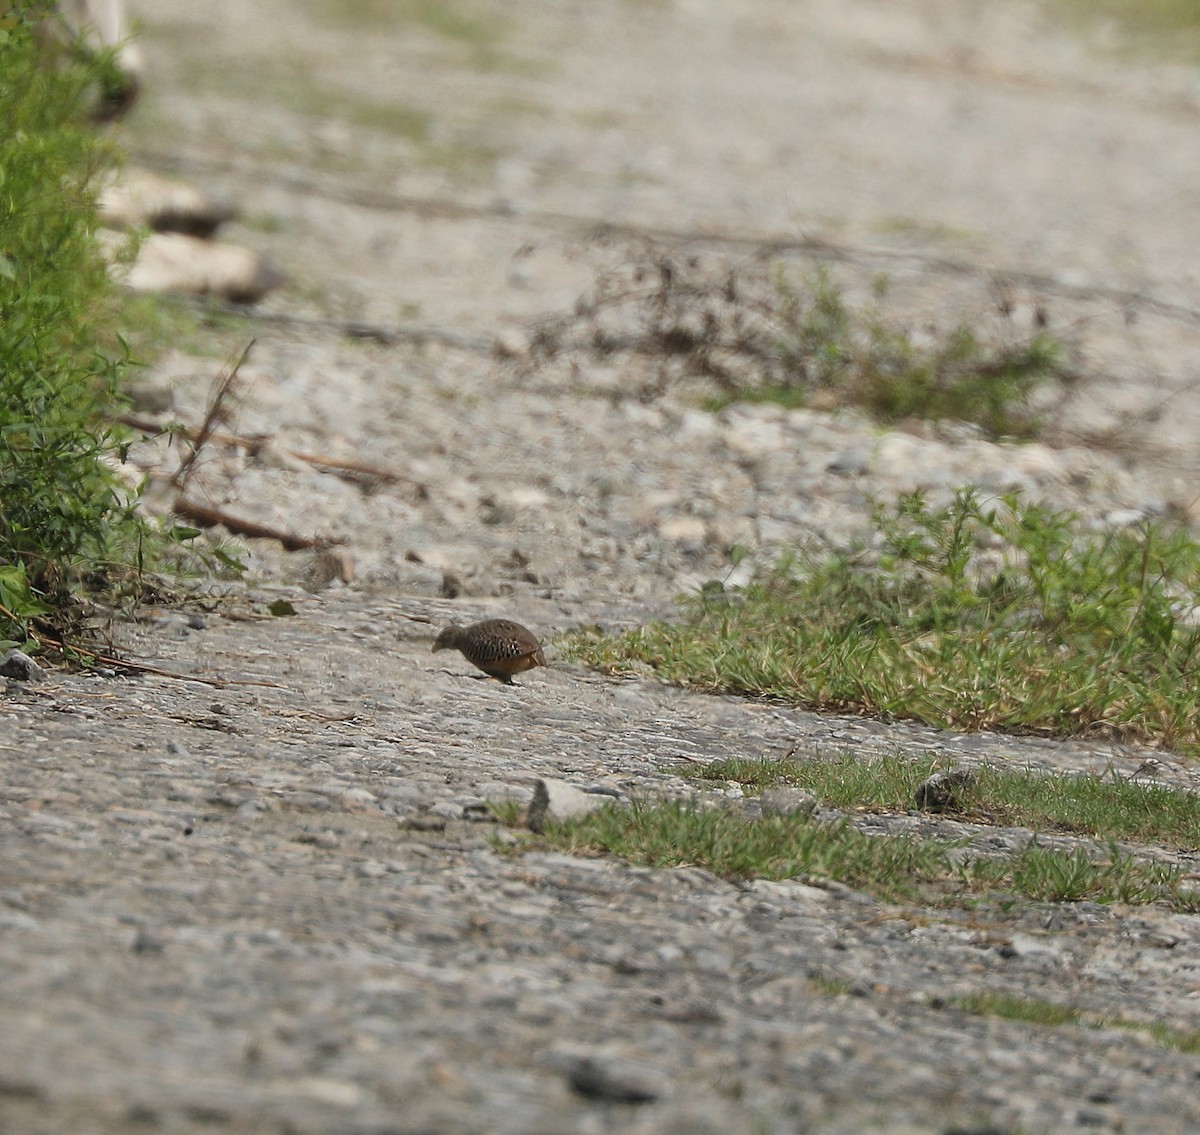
[{"x": 268, "y": 899}]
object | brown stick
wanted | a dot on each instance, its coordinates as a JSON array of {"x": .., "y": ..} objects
[
  {"x": 146, "y": 668},
  {"x": 221, "y": 389},
  {"x": 414, "y": 618},
  {"x": 208, "y": 517},
  {"x": 354, "y": 469}
]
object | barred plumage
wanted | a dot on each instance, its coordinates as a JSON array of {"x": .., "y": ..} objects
[{"x": 498, "y": 647}]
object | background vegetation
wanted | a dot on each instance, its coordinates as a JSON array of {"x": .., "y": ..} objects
[
  {"x": 65, "y": 519},
  {"x": 968, "y": 616}
]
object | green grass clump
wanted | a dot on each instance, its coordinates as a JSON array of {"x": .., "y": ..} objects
[
  {"x": 1058, "y": 630},
  {"x": 152, "y": 324},
  {"x": 894, "y": 868},
  {"x": 1047, "y": 1013},
  {"x": 452, "y": 19},
  {"x": 63, "y": 516},
  {"x": 735, "y": 846},
  {"x": 761, "y": 331},
  {"x": 869, "y": 361},
  {"x": 1024, "y": 1009},
  {"x": 1165, "y": 28},
  {"x": 1108, "y": 808}
]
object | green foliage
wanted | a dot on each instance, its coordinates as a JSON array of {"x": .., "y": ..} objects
[
  {"x": 1058, "y": 629},
  {"x": 760, "y": 331},
  {"x": 1108, "y": 807},
  {"x": 1157, "y": 28},
  {"x": 869, "y": 361},
  {"x": 62, "y": 511},
  {"x": 673, "y": 834},
  {"x": 891, "y": 867},
  {"x": 1048, "y": 1014}
]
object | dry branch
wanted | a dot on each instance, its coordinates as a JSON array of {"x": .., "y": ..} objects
[
  {"x": 221, "y": 390},
  {"x": 357, "y": 471},
  {"x": 209, "y": 517},
  {"x": 157, "y": 671}
]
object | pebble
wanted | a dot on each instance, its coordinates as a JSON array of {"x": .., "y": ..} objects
[
  {"x": 613, "y": 1082},
  {"x": 357, "y": 800},
  {"x": 787, "y": 802},
  {"x": 555, "y": 801},
  {"x": 17, "y": 664},
  {"x": 943, "y": 791}
]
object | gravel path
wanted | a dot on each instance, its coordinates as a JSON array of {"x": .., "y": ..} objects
[{"x": 266, "y": 897}]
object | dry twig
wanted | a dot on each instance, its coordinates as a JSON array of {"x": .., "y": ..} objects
[
  {"x": 221, "y": 390},
  {"x": 209, "y": 517}
]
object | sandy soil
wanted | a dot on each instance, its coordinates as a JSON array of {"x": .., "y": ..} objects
[
  {"x": 265, "y": 900},
  {"x": 396, "y": 169}
]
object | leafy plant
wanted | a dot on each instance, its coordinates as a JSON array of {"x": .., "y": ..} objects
[
  {"x": 64, "y": 513},
  {"x": 891, "y": 867},
  {"x": 1053, "y": 628},
  {"x": 1107, "y": 807},
  {"x": 1049, "y": 1014},
  {"x": 758, "y": 331},
  {"x": 1158, "y": 28}
]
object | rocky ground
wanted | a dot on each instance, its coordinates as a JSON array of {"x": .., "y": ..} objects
[{"x": 265, "y": 896}]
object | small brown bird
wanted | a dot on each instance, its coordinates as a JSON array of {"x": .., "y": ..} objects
[{"x": 499, "y": 647}]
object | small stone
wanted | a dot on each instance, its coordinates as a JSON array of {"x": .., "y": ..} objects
[
  {"x": 787, "y": 802},
  {"x": 613, "y": 1082},
  {"x": 690, "y": 531},
  {"x": 850, "y": 462},
  {"x": 943, "y": 792},
  {"x": 478, "y": 812},
  {"x": 1124, "y": 517},
  {"x": 555, "y": 800},
  {"x": 510, "y": 343},
  {"x": 447, "y": 810},
  {"x": 147, "y": 942},
  {"x": 753, "y": 438},
  {"x": 17, "y": 664},
  {"x": 335, "y": 1093},
  {"x": 358, "y": 800},
  {"x": 1023, "y": 945}
]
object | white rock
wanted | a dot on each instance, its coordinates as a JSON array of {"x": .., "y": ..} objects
[
  {"x": 186, "y": 265},
  {"x": 525, "y": 496},
  {"x": 555, "y": 800},
  {"x": 788, "y": 802},
  {"x": 756, "y": 438},
  {"x": 683, "y": 530},
  {"x": 141, "y": 199},
  {"x": 510, "y": 343}
]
